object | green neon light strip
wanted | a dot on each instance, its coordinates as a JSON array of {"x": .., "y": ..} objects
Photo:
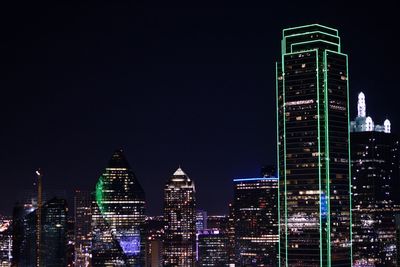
[
  {"x": 314, "y": 41},
  {"x": 319, "y": 159},
  {"x": 310, "y": 25},
  {"x": 327, "y": 159},
  {"x": 308, "y": 33},
  {"x": 311, "y": 32},
  {"x": 99, "y": 194},
  {"x": 349, "y": 156},
  {"x": 349, "y": 163},
  {"x": 284, "y": 149},
  {"x": 277, "y": 157},
  {"x": 284, "y": 155}
]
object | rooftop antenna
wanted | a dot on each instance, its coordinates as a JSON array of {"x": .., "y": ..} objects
[{"x": 39, "y": 217}]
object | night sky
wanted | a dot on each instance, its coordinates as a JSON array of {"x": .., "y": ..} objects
[{"x": 172, "y": 85}]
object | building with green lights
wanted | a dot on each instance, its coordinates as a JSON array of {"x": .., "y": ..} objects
[
  {"x": 313, "y": 149},
  {"x": 118, "y": 216}
]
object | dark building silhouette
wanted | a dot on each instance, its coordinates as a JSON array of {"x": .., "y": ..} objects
[
  {"x": 256, "y": 221},
  {"x": 71, "y": 242},
  {"x": 313, "y": 148},
  {"x": 118, "y": 216},
  {"x": 180, "y": 219},
  {"x": 154, "y": 228},
  {"x": 398, "y": 236},
  {"x": 82, "y": 229},
  {"x": 53, "y": 236}
]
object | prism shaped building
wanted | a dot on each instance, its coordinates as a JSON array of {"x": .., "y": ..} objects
[
  {"x": 118, "y": 216},
  {"x": 313, "y": 148}
]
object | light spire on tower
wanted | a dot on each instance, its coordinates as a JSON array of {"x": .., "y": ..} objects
[
  {"x": 361, "y": 107},
  {"x": 387, "y": 126},
  {"x": 39, "y": 218}
]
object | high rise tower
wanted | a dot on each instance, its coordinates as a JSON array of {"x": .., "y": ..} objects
[
  {"x": 180, "y": 218},
  {"x": 118, "y": 216},
  {"x": 82, "y": 230},
  {"x": 255, "y": 202},
  {"x": 375, "y": 180},
  {"x": 313, "y": 148}
]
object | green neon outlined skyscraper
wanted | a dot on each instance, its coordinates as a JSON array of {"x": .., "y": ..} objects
[{"x": 313, "y": 149}]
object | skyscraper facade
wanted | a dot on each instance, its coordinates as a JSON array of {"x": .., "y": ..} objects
[
  {"x": 118, "y": 216},
  {"x": 53, "y": 234},
  {"x": 375, "y": 180},
  {"x": 5, "y": 242},
  {"x": 82, "y": 228},
  {"x": 313, "y": 148},
  {"x": 180, "y": 219},
  {"x": 255, "y": 203},
  {"x": 212, "y": 248},
  {"x": 154, "y": 241}
]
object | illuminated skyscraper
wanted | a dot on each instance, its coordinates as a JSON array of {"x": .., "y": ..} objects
[
  {"x": 375, "y": 180},
  {"x": 118, "y": 216},
  {"x": 313, "y": 148},
  {"x": 255, "y": 202},
  {"x": 212, "y": 248},
  {"x": 82, "y": 230},
  {"x": 5, "y": 242},
  {"x": 180, "y": 219}
]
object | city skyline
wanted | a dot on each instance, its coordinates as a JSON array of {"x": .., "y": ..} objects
[
  {"x": 63, "y": 124},
  {"x": 186, "y": 91}
]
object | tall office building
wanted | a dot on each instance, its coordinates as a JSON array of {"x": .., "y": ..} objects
[
  {"x": 212, "y": 248},
  {"x": 255, "y": 202},
  {"x": 313, "y": 148},
  {"x": 82, "y": 228},
  {"x": 154, "y": 241},
  {"x": 70, "y": 242},
  {"x": 375, "y": 180},
  {"x": 118, "y": 216},
  {"x": 180, "y": 219},
  {"x": 5, "y": 242},
  {"x": 53, "y": 234}
]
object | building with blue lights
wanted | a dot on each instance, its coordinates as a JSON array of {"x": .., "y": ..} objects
[
  {"x": 118, "y": 216},
  {"x": 255, "y": 208}
]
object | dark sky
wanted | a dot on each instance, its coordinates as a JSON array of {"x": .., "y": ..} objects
[{"x": 185, "y": 84}]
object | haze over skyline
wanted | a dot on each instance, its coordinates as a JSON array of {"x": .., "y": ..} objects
[{"x": 170, "y": 86}]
